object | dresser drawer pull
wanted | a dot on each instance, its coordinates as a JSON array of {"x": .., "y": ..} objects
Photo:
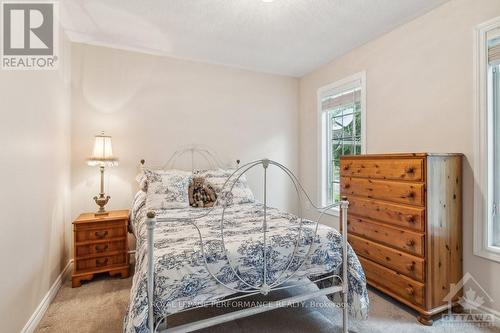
[
  {"x": 411, "y": 267},
  {"x": 346, "y": 167},
  {"x": 101, "y": 234},
  {"x": 347, "y": 185},
  {"x": 410, "y": 242},
  {"x": 410, "y": 218},
  {"x": 410, "y": 195},
  {"x": 101, "y": 262},
  {"x": 410, "y": 169},
  {"x": 101, "y": 248},
  {"x": 410, "y": 291}
]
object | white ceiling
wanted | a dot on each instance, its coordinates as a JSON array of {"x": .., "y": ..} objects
[{"x": 290, "y": 37}]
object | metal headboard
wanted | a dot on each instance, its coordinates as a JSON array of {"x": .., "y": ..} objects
[{"x": 195, "y": 152}]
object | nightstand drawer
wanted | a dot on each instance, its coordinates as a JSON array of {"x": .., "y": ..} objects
[
  {"x": 101, "y": 262},
  {"x": 101, "y": 224},
  {"x": 100, "y": 248},
  {"x": 93, "y": 234}
]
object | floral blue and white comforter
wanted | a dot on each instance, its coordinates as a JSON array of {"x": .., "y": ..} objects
[{"x": 181, "y": 276}]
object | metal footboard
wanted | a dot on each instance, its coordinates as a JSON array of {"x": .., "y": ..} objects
[{"x": 160, "y": 324}]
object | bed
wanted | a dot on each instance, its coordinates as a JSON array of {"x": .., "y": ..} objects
[{"x": 193, "y": 257}]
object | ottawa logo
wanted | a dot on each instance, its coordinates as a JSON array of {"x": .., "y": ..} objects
[{"x": 472, "y": 302}]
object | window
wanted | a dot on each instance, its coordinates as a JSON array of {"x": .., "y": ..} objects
[
  {"x": 495, "y": 107},
  {"x": 342, "y": 122},
  {"x": 487, "y": 145}
]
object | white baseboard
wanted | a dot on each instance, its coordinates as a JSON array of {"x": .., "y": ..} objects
[
  {"x": 495, "y": 313},
  {"x": 37, "y": 316}
]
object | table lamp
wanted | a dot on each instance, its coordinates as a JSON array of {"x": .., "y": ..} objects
[{"x": 102, "y": 156}]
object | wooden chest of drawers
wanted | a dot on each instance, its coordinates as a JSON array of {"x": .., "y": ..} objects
[
  {"x": 100, "y": 245},
  {"x": 405, "y": 224}
]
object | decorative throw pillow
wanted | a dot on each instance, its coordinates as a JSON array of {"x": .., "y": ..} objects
[
  {"x": 240, "y": 193},
  {"x": 167, "y": 189},
  {"x": 142, "y": 181}
]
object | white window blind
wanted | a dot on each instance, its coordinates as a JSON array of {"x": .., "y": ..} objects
[
  {"x": 494, "y": 51},
  {"x": 336, "y": 101}
]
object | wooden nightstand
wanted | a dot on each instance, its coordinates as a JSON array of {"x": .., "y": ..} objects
[{"x": 100, "y": 245}]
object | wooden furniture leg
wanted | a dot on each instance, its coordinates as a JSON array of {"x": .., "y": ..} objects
[
  {"x": 76, "y": 281},
  {"x": 425, "y": 319},
  {"x": 124, "y": 273},
  {"x": 457, "y": 308}
]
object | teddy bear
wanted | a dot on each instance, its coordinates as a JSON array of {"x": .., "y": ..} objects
[{"x": 201, "y": 193}]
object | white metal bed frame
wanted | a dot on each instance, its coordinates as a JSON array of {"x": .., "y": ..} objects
[{"x": 160, "y": 324}]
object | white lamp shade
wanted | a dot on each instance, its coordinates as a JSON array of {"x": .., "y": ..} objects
[{"x": 102, "y": 153}]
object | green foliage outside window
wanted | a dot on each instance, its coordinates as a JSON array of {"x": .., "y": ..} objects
[{"x": 344, "y": 131}]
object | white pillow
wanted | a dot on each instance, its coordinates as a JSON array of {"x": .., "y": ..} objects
[
  {"x": 167, "y": 189},
  {"x": 240, "y": 194},
  {"x": 142, "y": 181}
]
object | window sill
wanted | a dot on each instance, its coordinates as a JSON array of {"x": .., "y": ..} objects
[{"x": 490, "y": 253}]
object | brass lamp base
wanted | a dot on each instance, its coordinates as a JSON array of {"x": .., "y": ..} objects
[{"x": 101, "y": 201}]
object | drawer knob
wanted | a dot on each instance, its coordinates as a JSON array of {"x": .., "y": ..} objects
[
  {"x": 410, "y": 218},
  {"x": 101, "y": 248},
  {"x": 101, "y": 262},
  {"x": 410, "y": 291},
  {"x": 410, "y": 195},
  {"x": 346, "y": 167},
  {"x": 347, "y": 185},
  {"x": 101, "y": 234},
  {"x": 410, "y": 169},
  {"x": 410, "y": 267},
  {"x": 410, "y": 242}
]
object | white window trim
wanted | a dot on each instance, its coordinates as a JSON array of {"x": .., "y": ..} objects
[
  {"x": 482, "y": 160},
  {"x": 361, "y": 76}
]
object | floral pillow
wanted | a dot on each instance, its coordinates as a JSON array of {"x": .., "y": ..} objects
[
  {"x": 167, "y": 189},
  {"x": 142, "y": 181},
  {"x": 240, "y": 193}
]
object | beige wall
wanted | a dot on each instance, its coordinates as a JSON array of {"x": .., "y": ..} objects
[
  {"x": 419, "y": 98},
  {"x": 34, "y": 201},
  {"x": 154, "y": 105}
]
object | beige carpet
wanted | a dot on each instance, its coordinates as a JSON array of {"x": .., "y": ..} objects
[{"x": 99, "y": 306}]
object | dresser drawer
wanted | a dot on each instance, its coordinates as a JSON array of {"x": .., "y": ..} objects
[
  {"x": 92, "y": 234},
  {"x": 399, "y": 261},
  {"x": 393, "y": 282},
  {"x": 395, "y": 214},
  {"x": 101, "y": 262},
  {"x": 402, "y": 192},
  {"x": 100, "y": 248},
  {"x": 393, "y": 169},
  {"x": 401, "y": 239}
]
